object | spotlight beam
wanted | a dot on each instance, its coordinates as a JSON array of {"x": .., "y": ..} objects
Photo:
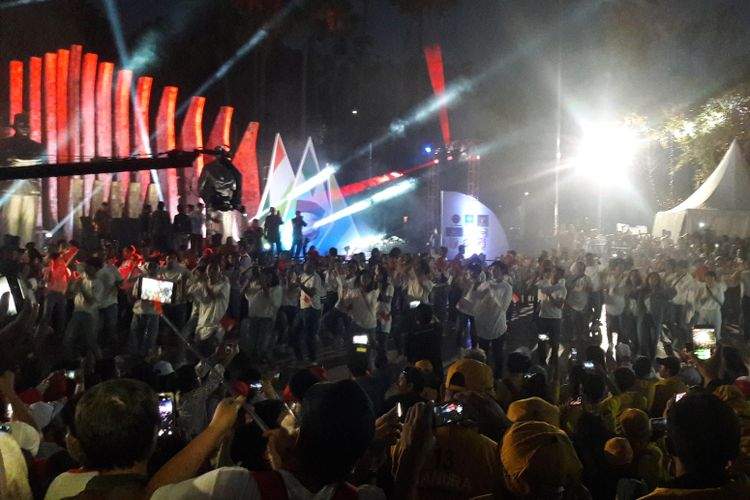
[
  {"x": 20, "y": 3},
  {"x": 65, "y": 220},
  {"x": 303, "y": 188},
  {"x": 394, "y": 191},
  {"x": 113, "y": 16},
  {"x": 254, "y": 41},
  {"x": 457, "y": 90}
]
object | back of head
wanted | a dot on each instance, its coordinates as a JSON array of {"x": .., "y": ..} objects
[
  {"x": 116, "y": 423},
  {"x": 703, "y": 433},
  {"x": 624, "y": 378},
  {"x": 534, "y": 409},
  {"x": 538, "y": 460},
  {"x": 642, "y": 367},
  {"x": 593, "y": 387},
  {"x": 336, "y": 429},
  {"x": 415, "y": 377},
  {"x": 518, "y": 363}
]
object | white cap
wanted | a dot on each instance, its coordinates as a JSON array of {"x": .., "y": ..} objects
[{"x": 163, "y": 368}]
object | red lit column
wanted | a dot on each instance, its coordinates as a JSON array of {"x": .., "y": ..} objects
[
  {"x": 191, "y": 137},
  {"x": 122, "y": 123},
  {"x": 35, "y": 98},
  {"x": 63, "y": 134},
  {"x": 88, "y": 116},
  {"x": 74, "y": 102},
  {"x": 140, "y": 116},
  {"x": 49, "y": 186},
  {"x": 15, "y": 90},
  {"x": 104, "y": 76},
  {"x": 166, "y": 141},
  {"x": 219, "y": 135},
  {"x": 246, "y": 161}
]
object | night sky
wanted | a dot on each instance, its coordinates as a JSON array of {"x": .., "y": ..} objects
[{"x": 649, "y": 57}]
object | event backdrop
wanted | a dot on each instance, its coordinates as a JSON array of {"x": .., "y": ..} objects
[{"x": 467, "y": 221}]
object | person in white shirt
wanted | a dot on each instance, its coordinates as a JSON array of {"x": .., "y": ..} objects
[
  {"x": 289, "y": 309},
  {"x": 383, "y": 310},
  {"x": 682, "y": 282},
  {"x": 263, "y": 294},
  {"x": 419, "y": 283},
  {"x": 468, "y": 280},
  {"x": 709, "y": 297},
  {"x": 83, "y": 322},
  {"x": 210, "y": 293},
  {"x": 551, "y": 293},
  {"x": 360, "y": 302},
  {"x": 311, "y": 287},
  {"x": 177, "y": 273},
  {"x": 614, "y": 301},
  {"x": 577, "y": 301},
  {"x": 340, "y": 277},
  {"x": 144, "y": 327},
  {"x": 594, "y": 271},
  {"x": 492, "y": 299},
  {"x": 110, "y": 279}
]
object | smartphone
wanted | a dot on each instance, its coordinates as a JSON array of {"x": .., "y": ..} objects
[
  {"x": 414, "y": 304},
  {"x": 256, "y": 386},
  {"x": 166, "y": 414},
  {"x": 15, "y": 294},
  {"x": 71, "y": 374},
  {"x": 155, "y": 290},
  {"x": 399, "y": 411},
  {"x": 679, "y": 396},
  {"x": 448, "y": 413},
  {"x": 6, "y": 428},
  {"x": 659, "y": 424},
  {"x": 576, "y": 402},
  {"x": 588, "y": 365},
  {"x": 704, "y": 341},
  {"x": 360, "y": 339},
  {"x": 543, "y": 337},
  {"x": 9, "y": 411}
]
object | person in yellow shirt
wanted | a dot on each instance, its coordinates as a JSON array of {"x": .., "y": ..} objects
[
  {"x": 703, "y": 437},
  {"x": 462, "y": 463},
  {"x": 629, "y": 396},
  {"x": 645, "y": 383},
  {"x": 669, "y": 385},
  {"x": 648, "y": 460}
]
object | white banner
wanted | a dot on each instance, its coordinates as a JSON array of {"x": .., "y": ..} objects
[{"x": 466, "y": 221}]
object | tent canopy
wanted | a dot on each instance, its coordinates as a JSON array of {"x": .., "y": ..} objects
[{"x": 720, "y": 203}]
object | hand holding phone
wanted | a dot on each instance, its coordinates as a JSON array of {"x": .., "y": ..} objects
[
  {"x": 166, "y": 414},
  {"x": 448, "y": 413}
]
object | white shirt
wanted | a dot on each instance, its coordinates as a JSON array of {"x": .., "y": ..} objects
[
  {"x": 262, "y": 304},
  {"x": 383, "y": 310},
  {"x": 310, "y": 301},
  {"x": 704, "y": 301},
  {"x": 594, "y": 274},
  {"x": 493, "y": 299},
  {"x": 238, "y": 483},
  {"x": 546, "y": 291},
  {"x": 91, "y": 288},
  {"x": 615, "y": 299},
  {"x": 179, "y": 275},
  {"x": 210, "y": 311},
  {"x": 578, "y": 292},
  {"x": 109, "y": 278},
  {"x": 361, "y": 306},
  {"x": 69, "y": 484},
  {"x": 682, "y": 283},
  {"x": 418, "y": 289}
]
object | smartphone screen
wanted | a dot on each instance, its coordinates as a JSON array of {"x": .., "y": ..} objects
[
  {"x": 360, "y": 339},
  {"x": 9, "y": 411},
  {"x": 704, "y": 341},
  {"x": 15, "y": 294},
  {"x": 399, "y": 411},
  {"x": 71, "y": 374},
  {"x": 448, "y": 413},
  {"x": 543, "y": 337},
  {"x": 155, "y": 290},
  {"x": 588, "y": 365},
  {"x": 166, "y": 413},
  {"x": 679, "y": 396},
  {"x": 576, "y": 402}
]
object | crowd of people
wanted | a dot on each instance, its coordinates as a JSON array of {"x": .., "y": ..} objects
[{"x": 190, "y": 368}]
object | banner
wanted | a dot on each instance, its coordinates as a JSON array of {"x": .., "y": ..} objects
[
  {"x": 280, "y": 179},
  {"x": 464, "y": 220}
]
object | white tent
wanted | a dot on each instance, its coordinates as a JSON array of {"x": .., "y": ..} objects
[{"x": 721, "y": 203}]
